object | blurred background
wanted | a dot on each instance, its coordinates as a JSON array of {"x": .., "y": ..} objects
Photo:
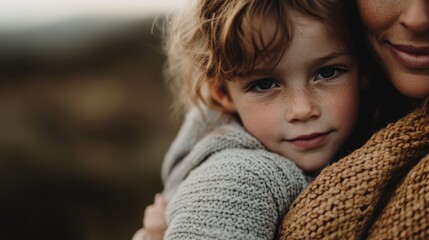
[{"x": 84, "y": 116}]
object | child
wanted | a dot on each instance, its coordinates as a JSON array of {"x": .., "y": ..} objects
[{"x": 283, "y": 74}]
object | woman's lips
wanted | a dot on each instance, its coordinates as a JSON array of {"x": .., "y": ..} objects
[
  {"x": 412, "y": 57},
  {"x": 310, "y": 141}
]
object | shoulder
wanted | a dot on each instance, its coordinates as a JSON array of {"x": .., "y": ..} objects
[
  {"x": 262, "y": 173},
  {"x": 260, "y": 164},
  {"x": 235, "y": 194}
]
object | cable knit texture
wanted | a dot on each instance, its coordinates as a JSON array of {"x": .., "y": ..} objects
[
  {"x": 407, "y": 215},
  {"x": 341, "y": 202},
  {"x": 227, "y": 185}
]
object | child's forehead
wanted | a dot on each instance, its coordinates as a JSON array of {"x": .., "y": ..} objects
[{"x": 258, "y": 39}]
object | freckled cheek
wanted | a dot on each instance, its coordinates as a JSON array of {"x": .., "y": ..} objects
[
  {"x": 260, "y": 120},
  {"x": 344, "y": 107}
]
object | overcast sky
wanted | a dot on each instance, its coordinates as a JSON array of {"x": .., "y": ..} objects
[{"x": 28, "y": 13}]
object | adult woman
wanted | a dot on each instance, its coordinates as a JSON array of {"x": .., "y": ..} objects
[{"x": 380, "y": 191}]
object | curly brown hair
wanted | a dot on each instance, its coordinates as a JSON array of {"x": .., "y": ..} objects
[{"x": 213, "y": 41}]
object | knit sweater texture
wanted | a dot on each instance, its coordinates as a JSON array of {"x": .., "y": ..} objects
[{"x": 221, "y": 182}]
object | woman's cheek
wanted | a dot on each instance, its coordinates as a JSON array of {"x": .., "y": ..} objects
[{"x": 377, "y": 14}]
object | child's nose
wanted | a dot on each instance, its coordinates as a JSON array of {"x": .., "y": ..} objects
[{"x": 301, "y": 108}]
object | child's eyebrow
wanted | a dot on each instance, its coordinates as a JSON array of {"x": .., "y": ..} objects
[
  {"x": 256, "y": 72},
  {"x": 260, "y": 71},
  {"x": 264, "y": 71},
  {"x": 331, "y": 56}
]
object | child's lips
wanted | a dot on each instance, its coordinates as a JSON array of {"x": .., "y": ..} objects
[{"x": 310, "y": 141}]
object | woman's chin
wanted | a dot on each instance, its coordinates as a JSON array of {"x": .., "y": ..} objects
[{"x": 411, "y": 85}]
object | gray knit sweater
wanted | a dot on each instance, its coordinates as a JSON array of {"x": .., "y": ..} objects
[{"x": 221, "y": 183}]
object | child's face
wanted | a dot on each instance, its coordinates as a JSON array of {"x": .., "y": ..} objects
[{"x": 306, "y": 107}]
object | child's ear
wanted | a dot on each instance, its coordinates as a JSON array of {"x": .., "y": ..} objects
[{"x": 221, "y": 96}]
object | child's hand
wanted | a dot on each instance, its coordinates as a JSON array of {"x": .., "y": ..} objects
[{"x": 154, "y": 221}]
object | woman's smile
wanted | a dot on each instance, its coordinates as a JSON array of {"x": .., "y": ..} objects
[{"x": 411, "y": 57}]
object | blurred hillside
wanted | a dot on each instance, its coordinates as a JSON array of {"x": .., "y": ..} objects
[{"x": 84, "y": 125}]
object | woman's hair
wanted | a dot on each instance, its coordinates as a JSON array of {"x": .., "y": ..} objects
[{"x": 213, "y": 41}]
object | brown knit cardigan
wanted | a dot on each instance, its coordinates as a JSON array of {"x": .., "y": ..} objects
[{"x": 380, "y": 191}]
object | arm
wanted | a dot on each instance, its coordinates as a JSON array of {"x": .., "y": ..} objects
[
  {"x": 228, "y": 197},
  {"x": 340, "y": 202},
  {"x": 154, "y": 221}
]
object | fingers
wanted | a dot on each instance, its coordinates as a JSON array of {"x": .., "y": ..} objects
[
  {"x": 154, "y": 220},
  {"x": 160, "y": 201},
  {"x": 139, "y": 235}
]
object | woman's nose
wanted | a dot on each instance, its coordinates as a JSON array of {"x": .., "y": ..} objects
[
  {"x": 301, "y": 108},
  {"x": 415, "y": 16}
]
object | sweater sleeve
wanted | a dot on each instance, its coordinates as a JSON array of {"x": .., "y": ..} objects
[{"x": 232, "y": 197}]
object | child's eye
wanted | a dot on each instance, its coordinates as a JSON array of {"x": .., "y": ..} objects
[
  {"x": 328, "y": 73},
  {"x": 262, "y": 85}
]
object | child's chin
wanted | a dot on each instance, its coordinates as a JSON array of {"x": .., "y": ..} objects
[{"x": 314, "y": 165}]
